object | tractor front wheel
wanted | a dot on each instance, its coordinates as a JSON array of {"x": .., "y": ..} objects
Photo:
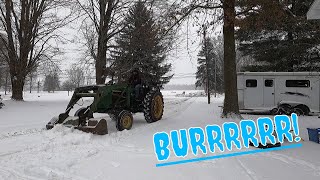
[
  {"x": 124, "y": 121},
  {"x": 153, "y": 106}
]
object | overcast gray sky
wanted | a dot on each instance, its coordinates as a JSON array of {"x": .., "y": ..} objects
[{"x": 183, "y": 57}]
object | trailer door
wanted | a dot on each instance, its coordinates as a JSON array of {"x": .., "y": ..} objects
[
  {"x": 253, "y": 93},
  {"x": 268, "y": 93}
]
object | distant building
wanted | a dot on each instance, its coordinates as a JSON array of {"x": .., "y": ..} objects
[{"x": 314, "y": 11}]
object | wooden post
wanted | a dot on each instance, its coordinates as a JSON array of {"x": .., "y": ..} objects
[
  {"x": 6, "y": 83},
  {"x": 30, "y": 83},
  {"x": 38, "y": 86},
  {"x": 215, "y": 78},
  {"x": 207, "y": 61}
]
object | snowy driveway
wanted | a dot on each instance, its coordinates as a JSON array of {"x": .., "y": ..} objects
[{"x": 29, "y": 152}]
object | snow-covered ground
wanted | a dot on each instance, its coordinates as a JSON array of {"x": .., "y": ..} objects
[{"x": 27, "y": 151}]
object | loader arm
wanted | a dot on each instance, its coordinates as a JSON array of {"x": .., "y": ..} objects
[
  {"x": 80, "y": 93},
  {"x": 77, "y": 95}
]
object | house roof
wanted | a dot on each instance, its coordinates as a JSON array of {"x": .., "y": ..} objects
[{"x": 314, "y": 11}]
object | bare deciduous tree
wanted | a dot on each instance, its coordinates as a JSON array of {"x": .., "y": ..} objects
[
  {"x": 230, "y": 106},
  {"x": 102, "y": 23},
  {"x": 29, "y": 27},
  {"x": 185, "y": 9},
  {"x": 76, "y": 76},
  {"x": 31, "y": 80},
  {"x": 3, "y": 64}
]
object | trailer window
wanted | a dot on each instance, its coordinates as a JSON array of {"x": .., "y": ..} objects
[
  {"x": 298, "y": 83},
  {"x": 268, "y": 83},
  {"x": 251, "y": 83}
]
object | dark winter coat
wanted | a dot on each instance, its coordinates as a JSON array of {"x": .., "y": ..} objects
[{"x": 135, "y": 79}]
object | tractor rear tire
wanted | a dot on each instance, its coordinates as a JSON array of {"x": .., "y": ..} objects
[
  {"x": 124, "y": 121},
  {"x": 153, "y": 106}
]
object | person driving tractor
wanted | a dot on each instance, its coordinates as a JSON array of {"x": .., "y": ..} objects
[{"x": 135, "y": 82}]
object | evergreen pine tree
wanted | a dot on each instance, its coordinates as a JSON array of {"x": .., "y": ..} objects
[
  {"x": 278, "y": 35},
  {"x": 140, "y": 46},
  {"x": 51, "y": 82},
  {"x": 213, "y": 57}
]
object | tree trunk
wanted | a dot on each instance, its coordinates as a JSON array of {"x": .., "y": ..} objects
[
  {"x": 230, "y": 106},
  {"x": 101, "y": 64},
  {"x": 101, "y": 60},
  {"x": 17, "y": 88},
  {"x": 30, "y": 84}
]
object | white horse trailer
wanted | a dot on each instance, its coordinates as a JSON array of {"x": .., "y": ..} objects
[{"x": 266, "y": 91}]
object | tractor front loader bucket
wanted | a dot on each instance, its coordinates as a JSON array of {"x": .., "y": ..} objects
[
  {"x": 93, "y": 125},
  {"x": 83, "y": 118}
]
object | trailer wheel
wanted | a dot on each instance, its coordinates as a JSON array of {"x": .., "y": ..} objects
[
  {"x": 285, "y": 109},
  {"x": 153, "y": 106},
  {"x": 305, "y": 109},
  {"x": 298, "y": 111},
  {"x": 274, "y": 111},
  {"x": 124, "y": 121}
]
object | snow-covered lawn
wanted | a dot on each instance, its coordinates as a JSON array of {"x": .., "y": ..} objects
[{"x": 27, "y": 151}]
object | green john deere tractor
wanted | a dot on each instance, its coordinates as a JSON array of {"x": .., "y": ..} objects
[{"x": 117, "y": 100}]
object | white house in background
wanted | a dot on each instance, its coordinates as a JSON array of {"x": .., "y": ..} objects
[
  {"x": 264, "y": 91},
  {"x": 314, "y": 11}
]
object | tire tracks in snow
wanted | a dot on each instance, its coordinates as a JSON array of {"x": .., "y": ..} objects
[
  {"x": 20, "y": 133},
  {"x": 11, "y": 153},
  {"x": 119, "y": 136},
  {"x": 241, "y": 165},
  {"x": 37, "y": 130},
  {"x": 34, "y": 162},
  {"x": 180, "y": 111},
  {"x": 116, "y": 137},
  {"x": 231, "y": 163},
  {"x": 252, "y": 175},
  {"x": 8, "y": 173},
  {"x": 100, "y": 144},
  {"x": 293, "y": 160}
]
